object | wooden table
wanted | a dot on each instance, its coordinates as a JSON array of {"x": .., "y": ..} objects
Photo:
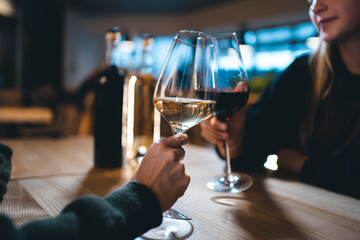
[{"x": 49, "y": 173}]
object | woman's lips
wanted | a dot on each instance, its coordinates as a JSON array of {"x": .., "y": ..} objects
[{"x": 326, "y": 21}]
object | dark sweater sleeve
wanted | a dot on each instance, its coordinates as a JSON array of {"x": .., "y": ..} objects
[
  {"x": 124, "y": 214},
  {"x": 336, "y": 172},
  {"x": 5, "y": 168}
]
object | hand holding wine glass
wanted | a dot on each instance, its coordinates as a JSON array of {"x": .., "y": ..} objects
[
  {"x": 162, "y": 172},
  {"x": 185, "y": 95},
  {"x": 216, "y": 132},
  {"x": 232, "y": 95}
]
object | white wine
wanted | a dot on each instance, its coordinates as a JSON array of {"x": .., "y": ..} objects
[{"x": 184, "y": 113}]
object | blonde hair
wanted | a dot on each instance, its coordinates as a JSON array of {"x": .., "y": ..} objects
[
  {"x": 322, "y": 100},
  {"x": 323, "y": 80}
]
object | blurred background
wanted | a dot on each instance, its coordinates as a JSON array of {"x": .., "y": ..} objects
[{"x": 51, "y": 49}]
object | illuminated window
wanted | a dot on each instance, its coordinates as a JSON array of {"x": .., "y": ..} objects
[{"x": 273, "y": 49}]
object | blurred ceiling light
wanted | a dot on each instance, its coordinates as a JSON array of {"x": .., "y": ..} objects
[
  {"x": 127, "y": 46},
  {"x": 271, "y": 162},
  {"x": 312, "y": 42},
  {"x": 245, "y": 48},
  {"x": 6, "y": 8},
  {"x": 142, "y": 150},
  {"x": 271, "y": 60},
  {"x": 247, "y": 52},
  {"x": 250, "y": 38}
]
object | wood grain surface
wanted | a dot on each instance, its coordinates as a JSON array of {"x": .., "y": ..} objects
[{"x": 48, "y": 174}]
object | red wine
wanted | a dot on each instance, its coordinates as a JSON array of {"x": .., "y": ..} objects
[{"x": 228, "y": 103}]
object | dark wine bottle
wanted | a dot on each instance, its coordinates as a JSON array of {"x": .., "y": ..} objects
[{"x": 108, "y": 108}]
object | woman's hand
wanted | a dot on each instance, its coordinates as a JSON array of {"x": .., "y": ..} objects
[
  {"x": 214, "y": 131},
  {"x": 291, "y": 160},
  {"x": 162, "y": 172},
  {"x": 217, "y": 132}
]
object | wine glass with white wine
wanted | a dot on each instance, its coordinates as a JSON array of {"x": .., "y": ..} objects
[{"x": 185, "y": 93}]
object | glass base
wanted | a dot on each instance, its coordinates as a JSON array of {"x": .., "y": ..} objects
[
  {"x": 169, "y": 229},
  {"x": 232, "y": 183},
  {"x": 173, "y": 214}
]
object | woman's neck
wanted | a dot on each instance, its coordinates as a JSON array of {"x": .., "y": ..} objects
[{"x": 350, "y": 54}]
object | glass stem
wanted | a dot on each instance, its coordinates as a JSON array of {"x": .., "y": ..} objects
[
  {"x": 176, "y": 131},
  {"x": 227, "y": 155}
]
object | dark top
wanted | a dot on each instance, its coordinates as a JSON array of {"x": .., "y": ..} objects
[
  {"x": 274, "y": 122},
  {"x": 123, "y": 214}
]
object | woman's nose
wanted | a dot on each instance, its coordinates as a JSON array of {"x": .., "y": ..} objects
[{"x": 318, "y": 6}]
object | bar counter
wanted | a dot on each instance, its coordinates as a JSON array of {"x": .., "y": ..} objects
[
  {"x": 25, "y": 115},
  {"x": 49, "y": 173}
]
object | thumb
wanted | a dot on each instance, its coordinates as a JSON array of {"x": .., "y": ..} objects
[
  {"x": 176, "y": 141},
  {"x": 241, "y": 87}
]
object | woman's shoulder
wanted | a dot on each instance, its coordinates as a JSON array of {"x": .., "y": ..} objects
[
  {"x": 293, "y": 82},
  {"x": 299, "y": 65},
  {"x": 298, "y": 72},
  {"x": 302, "y": 59}
]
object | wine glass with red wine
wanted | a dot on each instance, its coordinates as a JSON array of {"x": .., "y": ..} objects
[{"x": 232, "y": 95}]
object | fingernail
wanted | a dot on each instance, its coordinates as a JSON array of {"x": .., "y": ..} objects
[{"x": 181, "y": 136}]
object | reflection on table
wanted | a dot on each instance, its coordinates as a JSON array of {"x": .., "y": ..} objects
[{"x": 48, "y": 173}]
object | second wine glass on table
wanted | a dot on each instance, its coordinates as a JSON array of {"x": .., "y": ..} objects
[{"x": 232, "y": 95}]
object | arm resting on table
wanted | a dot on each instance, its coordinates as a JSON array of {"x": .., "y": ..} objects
[
  {"x": 123, "y": 214},
  {"x": 5, "y": 168},
  {"x": 338, "y": 173}
]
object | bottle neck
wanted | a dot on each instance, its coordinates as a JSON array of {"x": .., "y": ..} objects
[
  {"x": 112, "y": 54},
  {"x": 146, "y": 65}
]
